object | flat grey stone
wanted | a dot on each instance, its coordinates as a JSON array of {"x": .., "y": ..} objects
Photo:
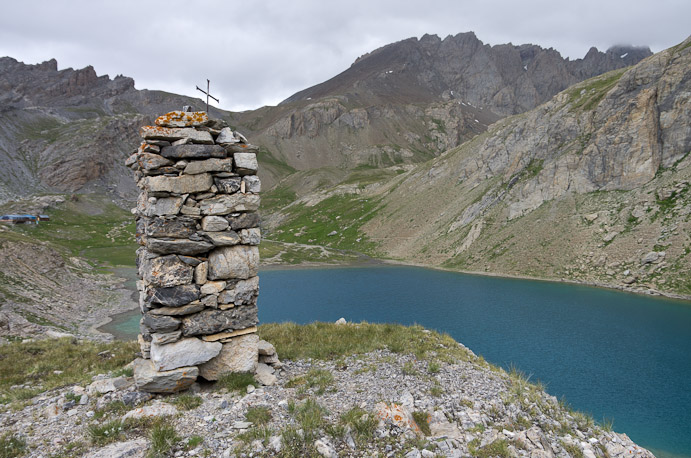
[
  {"x": 150, "y": 161},
  {"x": 173, "y": 296},
  {"x": 209, "y": 165},
  {"x": 148, "y": 379},
  {"x": 162, "y": 206},
  {"x": 226, "y": 238},
  {"x": 185, "y": 352},
  {"x": 129, "y": 449},
  {"x": 239, "y": 221},
  {"x": 252, "y": 184},
  {"x": 172, "y": 134},
  {"x": 243, "y": 292},
  {"x": 245, "y": 163},
  {"x": 193, "y": 152},
  {"x": 230, "y": 203},
  {"x": 177, "y": 246},
  {"x": 212, "y": 321},
  {"x": 179, "y": 311},
  {"x": 251, "y": 236},
  {"x": 184, "y": 184},
  {"x": 160, "y": 323},
  {"x": 228, "y": 185},
  {"x": 178, "y": 227},
  {"x": 162, "y": 338},
  {"x": 214, "y": 223},
  {"x": 166, "y": 271}
]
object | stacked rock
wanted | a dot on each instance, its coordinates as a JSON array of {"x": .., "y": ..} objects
[{"x": 198, "y": 228}]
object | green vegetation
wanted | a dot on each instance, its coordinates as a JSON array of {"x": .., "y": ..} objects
[
  {"x": 89, "y": 226},
  {"x": 11, "y": 446},
  {"x": 236, "y": 381},
  {"x": 102, "y": 434},
  {"x": 422, "y": 421},
  {"x": 163, "y": 437},
  {"x": 310, "y": 418},
  {"x": 187, "y": 401},
  {"x": 326, "y": 341},
  {"x": 361, "y": 423},
  {"x": 258, "y": 415},
  {"x": 49, "y": 364},
  {"x": 588, "y": 95},
  {"x": 292, "y": 253},
  {"x": 333, "y": 222},
  {"x": 319, "y": 378}
]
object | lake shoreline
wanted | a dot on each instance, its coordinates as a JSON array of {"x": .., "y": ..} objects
[{"x": 374, "y": 262}]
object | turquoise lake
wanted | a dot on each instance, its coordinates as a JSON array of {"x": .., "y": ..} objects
[{"x": 616, "y": 356}]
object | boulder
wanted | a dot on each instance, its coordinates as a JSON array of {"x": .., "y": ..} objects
[
  {"x": 237, "y": 355},
  {"x": 185, "y": 352},
  {"x": 265, "y": 348},
  {"x": 227, "y": 136},
  {"x": 251, "y": 236},
  {"x": 238, "y": 261},
  {"x": 239, "y": 221},
  {"x": 147, "y": 378},
  {"x": 150, "y": 161},
  {"x": 160, "y": 323},
  {"x": 108, "y": 385},
  {"x": 162, "y": 206},
  {"x": 242, "y": 292}
]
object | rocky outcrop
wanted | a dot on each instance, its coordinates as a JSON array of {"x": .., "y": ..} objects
[{"x": 605, "y": 146}]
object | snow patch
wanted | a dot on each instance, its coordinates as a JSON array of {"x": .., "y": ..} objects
[{"x": 623, "y": 55}]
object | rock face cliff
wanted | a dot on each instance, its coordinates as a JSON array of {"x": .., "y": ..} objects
[
  {"x": 70, "y": 130},
  {"x": 591, "y": 186}
]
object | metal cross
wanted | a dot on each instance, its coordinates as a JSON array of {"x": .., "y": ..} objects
[{"x": 208, "y": 95}]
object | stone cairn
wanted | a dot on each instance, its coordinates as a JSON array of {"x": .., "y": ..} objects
[{"x": 198, "y": 227}]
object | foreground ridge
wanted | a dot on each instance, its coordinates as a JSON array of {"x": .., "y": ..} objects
[{"x": 422, "y": 395}]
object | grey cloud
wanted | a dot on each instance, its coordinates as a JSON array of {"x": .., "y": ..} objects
[{"x": 260, "y": 52}]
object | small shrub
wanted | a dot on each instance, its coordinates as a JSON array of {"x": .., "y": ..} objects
[
  {"x": 259, "y": 415},
  {"x": 11, "y": 446},
  {"x": 309, "y": 414},
  {"x": 573, "y": 450},
  {"x": 106, "y": 433},
  {"x": 163, "y": 437},
  {"x": 361, "y": 423},
  {"x": 409, "y": 368},
  {"x": 433, "y": 367},
  {"x": 236, "y": 381},
  {"x": 422, "y": 420},
  {"x": 188, "y": 401},
  {"x": 436, "y": 391},
  {"x": 194, "y": 441},
  {"x": 498, "y": 448}
]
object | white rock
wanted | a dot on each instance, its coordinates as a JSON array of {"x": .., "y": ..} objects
[
  {"x": 341, "y": 321},
  {"x": 264, "y": 374},
  {"x": 238, "y": 355},
  {"x": 324, "y": 448},
  {"x": 130, "y": 449},
  {"x": 108, "y": 385},
  {"x": 185, "y": 352},
  {"x": 155, "y": 409}
]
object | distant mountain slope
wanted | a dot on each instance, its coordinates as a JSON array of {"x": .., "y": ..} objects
[
  {"x": 504, "y": 79},
  {"x": 411, "y": 100}
]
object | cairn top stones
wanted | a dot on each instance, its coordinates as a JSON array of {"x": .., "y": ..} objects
[{"x": 183, "y": 119}]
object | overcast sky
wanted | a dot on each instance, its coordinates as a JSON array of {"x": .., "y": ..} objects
[{"x": 259, "y": 52}]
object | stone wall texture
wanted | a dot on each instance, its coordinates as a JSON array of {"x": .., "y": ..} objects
[{"x": 197, "y": 264}]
